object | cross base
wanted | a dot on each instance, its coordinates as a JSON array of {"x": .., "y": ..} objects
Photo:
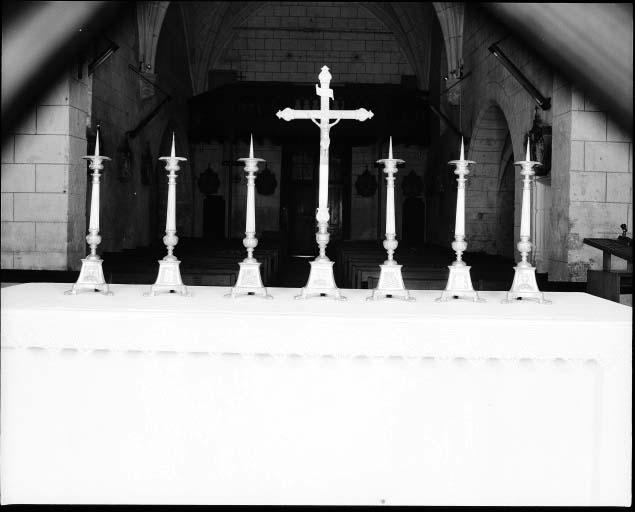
[
  {"x": 321, "y": 282},
  {"x": 524, "y": 285},
  {"x": 91, "y": 278},
  {"x": 169, "y": 279},
  {"x": 249, "y": 281},
  {"x": 459, "y": 285},
  {"x": 390, "y": 285}
]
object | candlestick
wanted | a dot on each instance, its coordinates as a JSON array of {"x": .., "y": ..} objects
[
  {"x": 459, "y": 285},
  {"x": 91, "y": 275},
  {"x": 390, "y": 284},
  {"x": 169, "y": 277},
  {"x": 524, "y": 285},
  {"x": 249, "y": 280}
]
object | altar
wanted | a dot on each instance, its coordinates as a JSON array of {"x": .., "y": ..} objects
[{"x": 201, "y": 399}]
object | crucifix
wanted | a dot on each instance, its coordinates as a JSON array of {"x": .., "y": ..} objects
[{"x": 321, "y": 282}]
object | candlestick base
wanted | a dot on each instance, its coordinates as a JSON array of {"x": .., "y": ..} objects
[
  {"x": 459, "y": 285},
  {"x": 249, "y": 281},
  {"x": 524, "y": 285},
  {"x": 321, "y": 282},
  {"x": 91, "y": 278},
  {"x": 169, "y": 279},
  {"x": 390, "y": 284}
]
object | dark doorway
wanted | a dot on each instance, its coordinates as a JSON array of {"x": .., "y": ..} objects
[
  {"x": 413, "y": 222},
  {"x": 505, "y": 200},
  {"x": 299, "y": 195},
  {"x": 214, "y": 218}
]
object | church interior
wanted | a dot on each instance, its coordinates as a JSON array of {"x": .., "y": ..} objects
[
  {"x": 215, "y": 73},
  {"x": 426, "y": 299}
]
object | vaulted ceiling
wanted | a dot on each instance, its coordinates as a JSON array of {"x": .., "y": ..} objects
[{"x": 210, "y": 28}]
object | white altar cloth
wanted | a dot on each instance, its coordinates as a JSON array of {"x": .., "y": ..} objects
[{"x": 208, "y": 400}]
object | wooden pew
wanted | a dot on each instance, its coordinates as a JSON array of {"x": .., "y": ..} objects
[{"x": 607, "y": 283}]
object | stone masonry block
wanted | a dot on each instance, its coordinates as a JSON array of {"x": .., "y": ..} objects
[
  {"x": 50, "y": 236},
  {"x": 6, "y": 206},
  {"x": 8, "y": 150},
  {"x": 40, "y": 260},
  {"x": 6, "y": 260},
  {"x": 596, "y": 220},
  {"x": 40, "y": 207},
  {"x": 58, "y": 94},
  {"x": 51, "y": 177},
  {"x": 588, "y": 186},
  {"x": 27, "y": 123},
  {"x": 588, "y": 126},
  {"x": 51, "y": 149},
  {"x": 53, "y": 120},
  {"x": 577, "y": 155},
  {"x": 18, "y": 236},
  {"x": 619, "y": 188},
  {"x": 606, "y": 156},
  {"x": 577, "y": 98},
  {"x": 18, "y": 178},
  {"x": 77, "y": 123},
  {"x": 615, "y": 133}
]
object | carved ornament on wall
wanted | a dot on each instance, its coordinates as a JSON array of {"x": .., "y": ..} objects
[
  {"x": 266, "y": 182},
  {"x": 412, "y": 185},
  {"x": 124, "y": 161},
  {"x": 366, "y": 184},
  {"x": 208, "y": 181}
]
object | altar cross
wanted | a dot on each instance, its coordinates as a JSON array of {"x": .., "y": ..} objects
[
  {"x": 322, "y": 118},
  {"x": 321, "y": 281}
]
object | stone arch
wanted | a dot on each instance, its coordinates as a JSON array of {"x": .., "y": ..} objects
[
  {"x": 450, "y": 16},
  {"x": 151, "y": 15},
  {"x": 216, "y": 41},
  {"x": 483, "y": 206}
]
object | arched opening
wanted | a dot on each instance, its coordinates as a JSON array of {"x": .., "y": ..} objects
[
  {"x": 490, "y": 192},
  {"x": 505, "y": 203}
]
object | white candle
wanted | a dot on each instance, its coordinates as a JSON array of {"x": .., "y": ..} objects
[
  {"x": 250, "y": 221},
  {"x": 459, "y": 224},
  {"x": 526, "y": 204},
  {"x": 390, "y": 199},
  {"x": 97, "y": 144}
]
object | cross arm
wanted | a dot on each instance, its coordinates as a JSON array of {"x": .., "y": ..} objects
[{"x": 289, "y": 114}]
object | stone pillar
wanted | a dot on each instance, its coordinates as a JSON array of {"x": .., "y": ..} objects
[
  {"x": 44, "y": 181},
  {"x": 591, "y": 183}
]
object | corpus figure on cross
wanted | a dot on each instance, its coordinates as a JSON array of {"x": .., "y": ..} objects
[{"x": 321, "y": 281}]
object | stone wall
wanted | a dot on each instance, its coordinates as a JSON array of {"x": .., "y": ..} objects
[
  {"x": 494, "y": 105},
  {"x": 597, "y": 182},
  {"x": 119, "y": 107},
  {"x": 44, "y": 181},
  {"x": 290, "y": 42}
]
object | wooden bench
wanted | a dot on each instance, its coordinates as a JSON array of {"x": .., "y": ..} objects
[{"x": 607, "y": 283}]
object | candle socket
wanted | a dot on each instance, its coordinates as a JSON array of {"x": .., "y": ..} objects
[{"x": 91, "y": 275}]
